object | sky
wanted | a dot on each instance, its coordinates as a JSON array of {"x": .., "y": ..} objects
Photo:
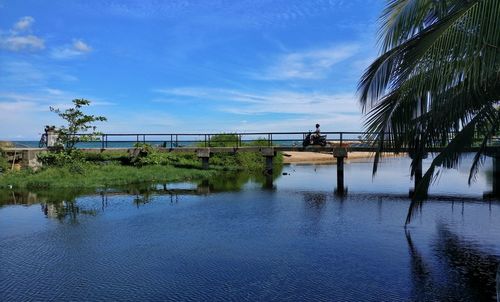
[{"x": 183, "y": 66}]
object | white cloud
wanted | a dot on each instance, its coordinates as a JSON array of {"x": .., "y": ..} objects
[
  {"x": 280, "y": 101},
  {"x": 77, "y": 49},
  {"x": 278, "y": 110},
  {"x": 19, "y": 43},
  {"x": 81, "y": 46},
  {"x": 313, "y": 64},
  {"x": 23, "y": 115},
  {"x": 16, "y": 41},
  {"x": 24, "y": 24},
  {"x": 22, "y": 75}
]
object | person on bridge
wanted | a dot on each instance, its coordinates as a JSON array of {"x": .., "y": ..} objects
[{"x": 316, "y": 134}]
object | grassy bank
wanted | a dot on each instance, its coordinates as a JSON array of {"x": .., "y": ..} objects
[
  {"x": 96, "y": 176},
  {"x": 96, "y": 170}
]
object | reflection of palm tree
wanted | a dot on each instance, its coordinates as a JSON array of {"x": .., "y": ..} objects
[
  {"x": 438, "y": 74},
  {"x": 420, "y": 273},
  {"x": 498, "y": 284},
  {"x": 469, "y": 272}
]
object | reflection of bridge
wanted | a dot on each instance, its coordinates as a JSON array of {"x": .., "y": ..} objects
[{"x": 204, "y": 145}]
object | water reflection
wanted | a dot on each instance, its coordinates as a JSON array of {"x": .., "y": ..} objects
[
  {"x": 464, "y": 273},
  {"x": 61, "y": 204},
  {"x": 294, "y": 238}
]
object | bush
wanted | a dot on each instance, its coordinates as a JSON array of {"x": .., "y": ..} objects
[
  {"x": 146, "y": 155},
  {"x": 107, "y": 157},
  {"x": 224, "y": 140},
  {"x": 4, "y": 164},
  {"x": 73, "y": 159}
]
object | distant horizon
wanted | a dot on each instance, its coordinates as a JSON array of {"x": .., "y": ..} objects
[{"x": 185, "y": 66}]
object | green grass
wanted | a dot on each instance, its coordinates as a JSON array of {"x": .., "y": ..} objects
[
  {"x": 96, "y": 176},
  {"x": 76, "y": 169}
]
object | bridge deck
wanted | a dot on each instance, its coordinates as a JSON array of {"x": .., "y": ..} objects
[{"x": 327, "y": 149}]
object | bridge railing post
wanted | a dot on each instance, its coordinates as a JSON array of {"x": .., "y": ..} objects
[
  {"x": 340, "y": 139},
  {"x": 102, "y": 141}
]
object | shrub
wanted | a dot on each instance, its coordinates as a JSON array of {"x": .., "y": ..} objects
[
  {"x": 224, "y": 140},
  {"x": 146, "y": 154},
  {"x": 4, "y": 164},
  {"x": 62, "y": 158},
  {"x": 107, "y": 157}
]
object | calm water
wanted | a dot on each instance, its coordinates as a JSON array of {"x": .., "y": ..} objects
[{"x": 241, "y": 239}]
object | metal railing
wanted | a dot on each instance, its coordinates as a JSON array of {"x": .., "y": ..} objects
[
  {"x": 177, "y": 140},
  {"x": 237, "y": 140}
]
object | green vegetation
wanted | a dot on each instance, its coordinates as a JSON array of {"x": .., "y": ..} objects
[
  {"x": 77, "y": 122},
  {"x": 74, "y": 168},
  {"x": 438, "y": 73},
  {"x": 68, "y": 167},
  {"x": 87, "y": 175},
  {"x": 4, "y": 165}
]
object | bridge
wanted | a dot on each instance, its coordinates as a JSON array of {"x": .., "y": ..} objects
[{"x": 339, "y": 144}]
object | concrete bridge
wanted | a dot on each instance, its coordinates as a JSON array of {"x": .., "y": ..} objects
[{"x": 204, "y": 145}]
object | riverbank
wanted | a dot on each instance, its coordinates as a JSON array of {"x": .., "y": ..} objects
[
  {"x": 98, "y": 176},
  {"x": 293, "y": 157}
]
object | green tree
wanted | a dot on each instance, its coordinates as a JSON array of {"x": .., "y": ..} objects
[
  {"x": 78, "y": 124},
  {"x": 438, "y": 73}
]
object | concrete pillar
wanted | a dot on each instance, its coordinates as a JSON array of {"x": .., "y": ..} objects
[
  {"x": 269, "y": 154},
  {"x": 30, "y": 159},
  {"x": 204, "y": 155},
  {"x": 269, "y": 185},
  {"x": 205, "y": 163},
  {"x": 496, "y": 176},
  {"x": 52, "y": 137},
  {"x": 340, "y": 154},
  {"x": 269, "y": 164}
]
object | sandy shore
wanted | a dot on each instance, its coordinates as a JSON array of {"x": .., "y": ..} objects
[{"x": 315, "y": 157}]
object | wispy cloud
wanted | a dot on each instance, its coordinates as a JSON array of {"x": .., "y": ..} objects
[
  {"x": 242, "y": 13},
  {"x": 24, "y": 74},
  {"x": 19, "y": 38},
  {"x": 24, "y": 23},
  {"x": 23, "y": 115},
  {"x": 270, "y": 102},
  {"x": 312, "y": 64},
  {"x": 76, "y": 49},
  {"x": 19, "y": 43}
]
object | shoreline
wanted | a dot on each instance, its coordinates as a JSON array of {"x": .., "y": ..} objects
[{"x": 294, "y": 157}]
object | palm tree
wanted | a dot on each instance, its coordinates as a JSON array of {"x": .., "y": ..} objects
[{"x": 436, "y": 82}]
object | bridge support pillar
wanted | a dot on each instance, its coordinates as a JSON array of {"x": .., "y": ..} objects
[
  {"x": 269, "y": 154},
  {"x": 269, "y": 184},
  {"x": 496, "y": 176},
  {"x": 340, "y": 154},
  {"x": 204, "y": 155},
  {"x": 30, "y": 159},
  {"x": 495, "y": 183}
]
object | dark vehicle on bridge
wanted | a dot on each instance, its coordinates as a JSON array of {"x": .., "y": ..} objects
[{"x": 312, "y": 139}]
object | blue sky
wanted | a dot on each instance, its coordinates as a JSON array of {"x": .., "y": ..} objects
[{"x": 183, "y": 65}]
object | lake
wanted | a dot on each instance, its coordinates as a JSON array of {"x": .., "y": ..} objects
[{"x": 241, "y": 238}]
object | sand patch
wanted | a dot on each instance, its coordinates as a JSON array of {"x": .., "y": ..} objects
[{"x": 316, "y": 157}]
